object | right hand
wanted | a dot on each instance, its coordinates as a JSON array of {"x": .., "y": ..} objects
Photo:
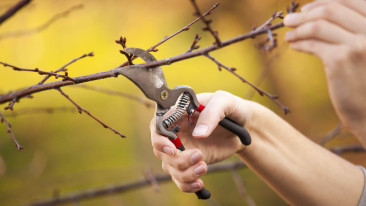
[{"x": 205, "y": 143}]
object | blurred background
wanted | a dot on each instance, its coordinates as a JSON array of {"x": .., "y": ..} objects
[{"x": 65, "y": 152}]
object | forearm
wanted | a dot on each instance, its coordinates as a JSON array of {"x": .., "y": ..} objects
[{"x": 302, "y": 172}]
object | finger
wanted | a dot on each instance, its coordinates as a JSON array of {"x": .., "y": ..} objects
[
  {"x": 315, "y": 47},
  {"x": 320, "y": 30},
  {"x": 357, "y": 5},
  {"x": 333, "y": 12},
  {"x": 204, "y": 98},
  {"x": 161, "y": 143},
  {"x": 188, "y": 175},
  {"x": 193, "y": 186},
  {"x": 183, "y": 160},
  {"x": 214, "y": 112}
]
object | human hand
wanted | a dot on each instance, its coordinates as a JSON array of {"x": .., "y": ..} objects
[
  {"x": 335, "y": 31},
  {"x": 205, "y": 143}
]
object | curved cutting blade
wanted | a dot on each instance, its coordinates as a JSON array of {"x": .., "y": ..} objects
[{"x": 151, "y": 81}]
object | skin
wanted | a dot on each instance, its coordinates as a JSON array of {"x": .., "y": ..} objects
[{"x": 300, "y": 171}]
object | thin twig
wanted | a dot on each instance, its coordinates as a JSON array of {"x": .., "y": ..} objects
[
  {"x": 10, "y": 131},
  {"x": 141, "y": 100},
  {"x": 11, "y": 104},
  {"x": 63, "y": 68},
  {"x": 42, "y": 27},
  {"x": 166, "y": 38},
  {"x": 194, "y": 45},
  {"x": 207, "y": 23},
  {"x": 270, "y": 42},
  {"x": 80, "y": 110},
  {"x": 348, "y": 148},
  {"x": 260, "y": 91},
  {"x": 13, "y": 10},
  {"x": 152, "y": 179},
  {"x": 40, "y": 72},
  {"x": 268, "y": 23},
  {"x": 38, "y": 110},
  {"x": 134, "y": 185},
  {"x": 186, "y": 28},
  {"x": 239, "y": 182},
  {"x": 293, "y": 7},
  {"x": 333, "y": 133}
]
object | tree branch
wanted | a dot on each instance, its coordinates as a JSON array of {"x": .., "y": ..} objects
[
  {"x": 17, "y": 95},
  {"x": 158, "y": 179},
  {"x": 114, "y": 72},
  {"x": 49, "y": 74},
  {"x": 97, "y": 192},
  {"x": 13, "y": 10}
]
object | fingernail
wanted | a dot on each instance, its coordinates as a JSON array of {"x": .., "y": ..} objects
[
  {"x": 167, "y": 150},
  {"x": 200, "y": 170},
  {"x": 196, "y": 157},
  {"x": 290, "y": 19},
  {"x": 200, "y": 130},
  {"x": 196, "y": 185}
]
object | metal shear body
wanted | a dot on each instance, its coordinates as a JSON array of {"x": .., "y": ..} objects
[{"x": 151, "y": 82}]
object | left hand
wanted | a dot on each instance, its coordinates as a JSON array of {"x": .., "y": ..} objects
[{"x": 335, "y": 31}]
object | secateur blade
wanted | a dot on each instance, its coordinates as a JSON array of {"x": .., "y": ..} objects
[{"x": 151, "y": 81}]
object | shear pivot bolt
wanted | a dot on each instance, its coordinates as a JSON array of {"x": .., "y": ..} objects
[
  {"x": 164, "y": 95},
  {"x": 191, "y": 111}
]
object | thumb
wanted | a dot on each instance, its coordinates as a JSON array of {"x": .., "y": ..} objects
[{"x": 219, "y": 105}]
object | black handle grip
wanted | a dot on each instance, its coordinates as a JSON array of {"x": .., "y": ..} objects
[
  {"x": 203, "y": 194},
  {"x": 235, "y": 128}
]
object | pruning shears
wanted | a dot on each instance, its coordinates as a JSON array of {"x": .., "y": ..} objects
[{"x": 151, "y": 82}]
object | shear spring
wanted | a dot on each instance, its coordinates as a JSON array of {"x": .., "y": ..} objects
[{"x": 182, "y": 105}]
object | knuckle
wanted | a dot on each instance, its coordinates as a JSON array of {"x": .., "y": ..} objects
[
  {"x": 184, "y": 178},
  {"x": 328, "y": 10},
  {"x": 185, "y": 189},
  {"x": 181, "y": 164},
  {"x": 315, "y": 27},
  {"x": 221, "y": 93},
  {"x": 353, "y": 52}
]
